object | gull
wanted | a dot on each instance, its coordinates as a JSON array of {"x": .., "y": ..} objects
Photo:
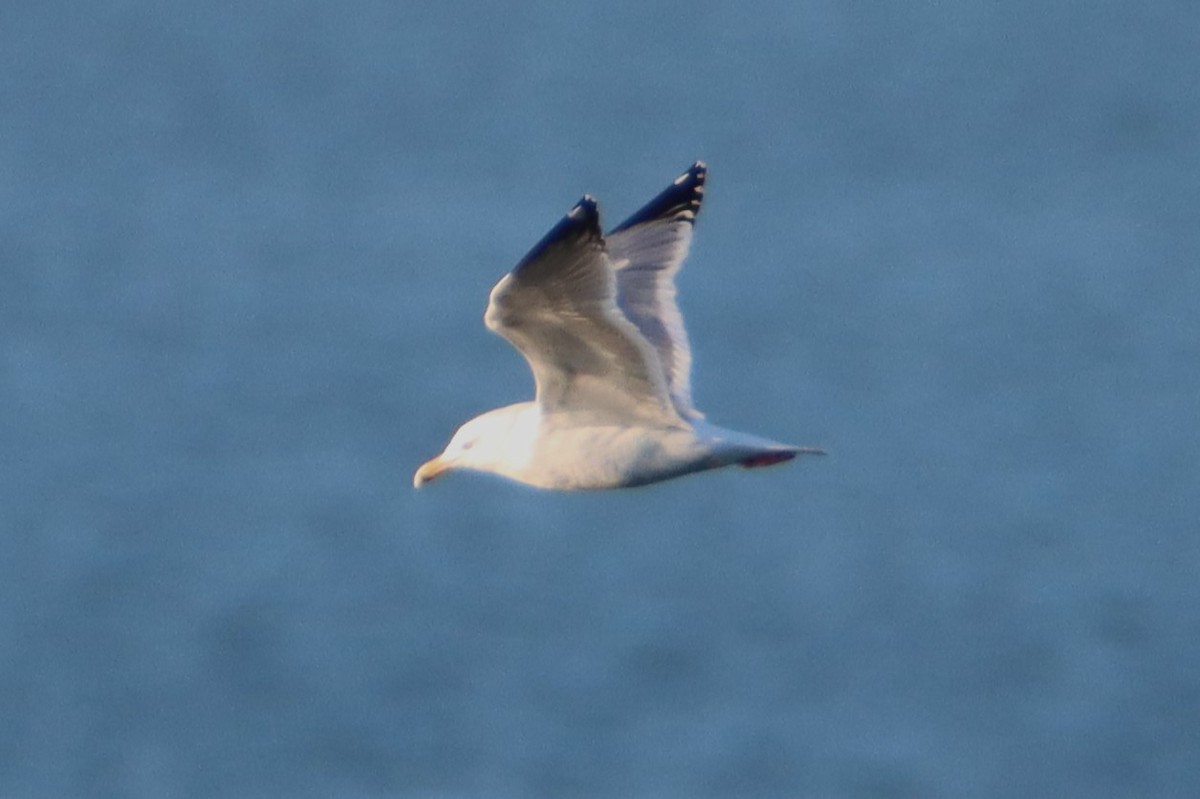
[{"x": 595, "y": 316}]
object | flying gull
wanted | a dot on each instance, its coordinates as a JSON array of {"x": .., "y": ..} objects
[{"x": 595, "y": 316}]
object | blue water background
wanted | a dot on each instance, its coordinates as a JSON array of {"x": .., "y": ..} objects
[{"x": 244, "y": 254}]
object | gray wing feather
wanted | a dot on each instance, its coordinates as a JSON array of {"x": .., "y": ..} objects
[
  {"x": 558, "y": 308},
  {"x": 647, "y": 251}
]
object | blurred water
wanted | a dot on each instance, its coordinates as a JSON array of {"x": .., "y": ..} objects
[{"x": 244, "y": 257}]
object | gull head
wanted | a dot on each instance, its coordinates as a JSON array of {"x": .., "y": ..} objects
[{"x": 485, "y": 444}]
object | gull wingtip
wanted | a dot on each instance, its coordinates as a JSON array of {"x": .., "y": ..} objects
[{"x": 586, "y": 207}]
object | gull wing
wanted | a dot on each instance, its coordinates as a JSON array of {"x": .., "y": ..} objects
[
  {"x": 558, "y": 308},
  {"x": 647, "y": 250}
]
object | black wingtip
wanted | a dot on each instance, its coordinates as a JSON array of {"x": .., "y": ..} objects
[
  {"x": 695, "y": 172},
  {"x": 580, "y": 223},
  {"x": 679, "y": 202},
  {"x": 586, "y": 210}
]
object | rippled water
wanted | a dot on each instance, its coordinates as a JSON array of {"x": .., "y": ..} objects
[{"x": 245, "y": 254}]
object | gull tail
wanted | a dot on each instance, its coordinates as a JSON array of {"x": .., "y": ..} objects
[{"x": 774, "y": 456}]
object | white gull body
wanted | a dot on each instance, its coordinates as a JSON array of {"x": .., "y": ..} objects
[{"x": 596, "y": 318}]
